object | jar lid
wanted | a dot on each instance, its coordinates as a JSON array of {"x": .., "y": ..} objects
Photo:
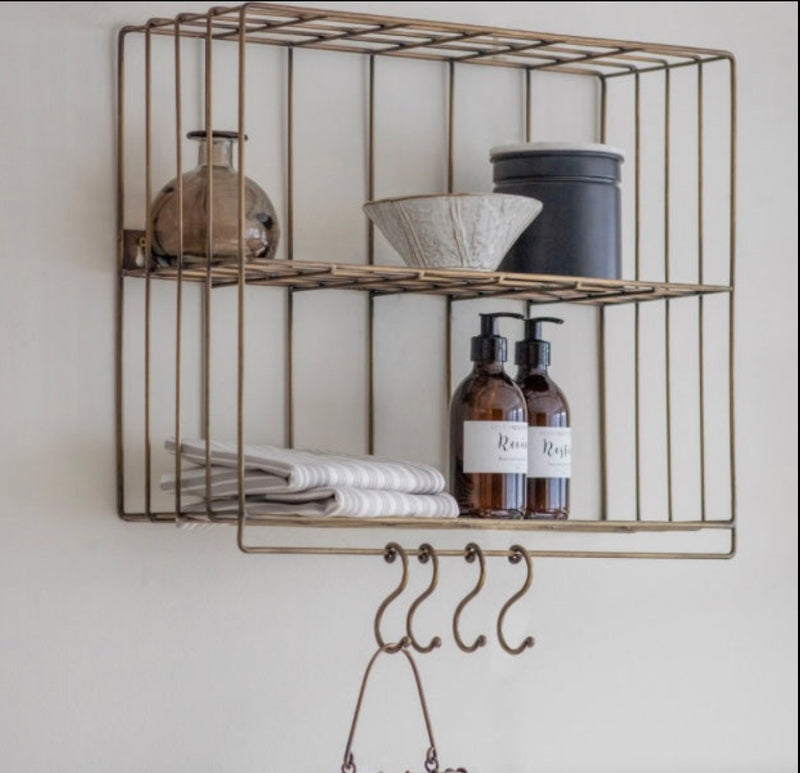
[{"x": 536, "y": 148}]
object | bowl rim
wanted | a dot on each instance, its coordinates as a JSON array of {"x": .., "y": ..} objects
[{"x": 488, "y": 195}]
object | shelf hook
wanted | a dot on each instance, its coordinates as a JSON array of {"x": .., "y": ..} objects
[
  {"x": 390, "y": 553},
  {"x": 426, "y": 553},
  {"x": 471, "y": 552},
  {"x": 517, "y": 554}
]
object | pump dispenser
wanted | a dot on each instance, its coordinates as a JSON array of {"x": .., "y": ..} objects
[
  {"x": 549, "y": 432},
  {"x": 489, "y": 432}
]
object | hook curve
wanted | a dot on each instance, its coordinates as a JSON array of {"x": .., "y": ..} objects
[
  {"x": 390, "y": 553},
  {"x": 426, "y": 553},
  {"x": 471, "y": 552},
  {"x": 518, "y": 553}
]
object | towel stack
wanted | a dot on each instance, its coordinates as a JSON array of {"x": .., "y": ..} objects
[{"x": 282, "y": 481}]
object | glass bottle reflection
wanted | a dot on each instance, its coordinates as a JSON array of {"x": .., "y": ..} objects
[{"x": 261, "y": 230}]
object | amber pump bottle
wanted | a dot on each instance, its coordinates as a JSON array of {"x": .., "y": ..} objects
[
  {"x": 549, "y": 432},
  {"x": 489, "y": 432}
]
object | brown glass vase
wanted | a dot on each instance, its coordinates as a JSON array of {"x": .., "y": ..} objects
[{"x": 261, "y": 230}]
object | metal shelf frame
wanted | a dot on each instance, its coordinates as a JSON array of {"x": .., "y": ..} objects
[{"x": 454, "y": 45}]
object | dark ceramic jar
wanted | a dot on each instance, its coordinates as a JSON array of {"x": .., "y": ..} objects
[{"x": 578, "y": 232}]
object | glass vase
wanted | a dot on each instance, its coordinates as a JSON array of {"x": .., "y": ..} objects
[{"x": 261, "y": 230}]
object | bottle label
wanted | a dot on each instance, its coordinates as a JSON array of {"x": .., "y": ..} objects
[
  {"x": 495, "y": 446},
  {"x": 549, "y": 452}
]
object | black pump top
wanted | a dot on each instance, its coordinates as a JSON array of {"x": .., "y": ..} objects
[
  {"x": 533, "y": 352},
  {"x": 490, "y": 346}
]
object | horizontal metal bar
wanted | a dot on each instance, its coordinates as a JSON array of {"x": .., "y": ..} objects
[
  {"x": 491, "y": 553},
  {"x": 258, "y": 550}
]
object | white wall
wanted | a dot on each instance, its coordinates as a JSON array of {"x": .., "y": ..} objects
[{"x": 130, "y": 648}]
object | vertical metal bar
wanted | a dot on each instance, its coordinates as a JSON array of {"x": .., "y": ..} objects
[
  {"x": 148, "y": 241},
  {"x": 732, "y": 280},
  {"x": 528, "y": 129},
  {"x": 601, "y": 348},
  {"x": 290, "y": 153},
  {"x": 528, "y": 133},
  {"x": 371, "y": 261},
  {"x": 209, "y": 256},
  {"x": 120, "y": 294},
  {"x": 179, "y": 284},
  {"x": 601, "y": 389},
  {"x": 241, "y": 278},
  {"x": 638, "y": 269},
  {"x": 451, "y": 88},
  {"x": 289, "y": 385},
  {"x": 667, "y": 331},
  {"x": 451, "y": 102},
  {"x": 371, "y": 160},
  {"x": 638, "y": 179},
  {"x": 448, "y": 353},
  {"x": 700, "y": 306},
  {"x": 603, "y": 108},
  {"x": 371, "y": 372}
]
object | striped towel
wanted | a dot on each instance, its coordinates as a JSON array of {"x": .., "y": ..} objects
[
  {"x": 281, "y": 481},
  {"x": 273, "y": 469},
  {"x": 337, "y": 502}
]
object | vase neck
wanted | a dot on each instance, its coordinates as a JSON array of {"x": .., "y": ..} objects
[{"x": 221, "y": 152}]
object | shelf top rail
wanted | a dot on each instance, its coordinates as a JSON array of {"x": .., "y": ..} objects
[{"x": 370, "y": 34}]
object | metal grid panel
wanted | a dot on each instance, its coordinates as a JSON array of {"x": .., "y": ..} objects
[
  {"x": 283, "y": 25},
  {"x": 299, "y": 28},
  {"x": 455, "y": 284}
]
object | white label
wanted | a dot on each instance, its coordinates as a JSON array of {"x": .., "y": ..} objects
[
  {"x": 549, "y": 452},
  {"x": 495, "y": 446}
]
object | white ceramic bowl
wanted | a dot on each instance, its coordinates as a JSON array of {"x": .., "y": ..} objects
[{"x": 463, "y": 230}]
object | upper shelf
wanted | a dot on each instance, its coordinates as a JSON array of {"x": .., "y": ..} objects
[
  {"x": 361, "y": 33},
  {"x": 457, "y": 284}
]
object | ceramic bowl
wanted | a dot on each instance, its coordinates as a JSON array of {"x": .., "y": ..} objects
[{"x": 471, "y": 231}]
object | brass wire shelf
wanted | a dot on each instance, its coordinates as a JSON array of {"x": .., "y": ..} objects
[
  {"x": 451, "y": 283},
  {"x": 375, "y": 37}
]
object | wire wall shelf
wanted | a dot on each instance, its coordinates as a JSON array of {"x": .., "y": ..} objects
[{"x": 624, "y": 75}]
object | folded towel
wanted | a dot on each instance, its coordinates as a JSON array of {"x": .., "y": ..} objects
[
  {"x": 286, "y": 482},
  {"x": 337, "y": 502},
  {"x": 271, "y": 469}
]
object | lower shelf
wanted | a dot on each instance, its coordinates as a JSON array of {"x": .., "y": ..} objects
[{"x": 452, "y": 526}]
